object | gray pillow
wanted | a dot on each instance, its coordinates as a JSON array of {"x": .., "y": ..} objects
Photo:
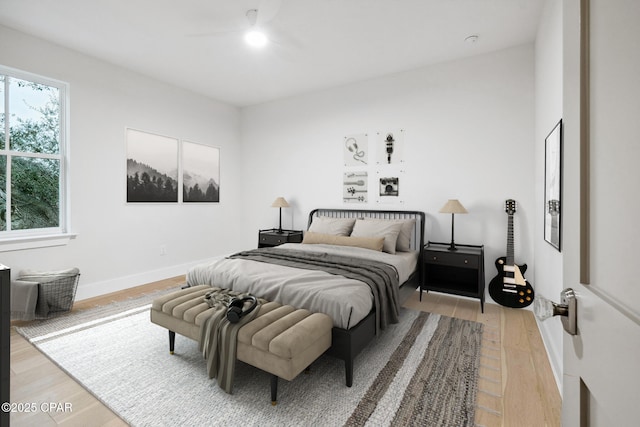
[
  {"x": 404, "y": 238},
  {"x": 390, "y": 230},
  {"x": 335, "y": 226}
]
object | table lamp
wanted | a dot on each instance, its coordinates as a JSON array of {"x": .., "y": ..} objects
[
  {"x": 453, "y": 206},
  {"x": 280, "y": 203}
]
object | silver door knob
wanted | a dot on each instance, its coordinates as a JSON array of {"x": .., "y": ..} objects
[{"x": 544, "y": 309}]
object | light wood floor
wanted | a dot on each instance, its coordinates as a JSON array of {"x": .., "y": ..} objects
[{"x": 516, "y": 383}]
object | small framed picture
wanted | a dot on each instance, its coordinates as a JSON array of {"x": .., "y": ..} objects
[
  {"x": 355, "y": 187},
  {"x": 390, "y": 147},
  {"x": 389, "y": 183},
  {"x": 356, "y": 150},
  {"x": 553, "y": 186}
]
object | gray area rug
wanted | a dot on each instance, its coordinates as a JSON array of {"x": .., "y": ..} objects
[{"x": 422, "y": 371}]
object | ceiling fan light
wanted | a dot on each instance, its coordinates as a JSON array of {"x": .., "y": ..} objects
[{"x": 255, "y": 38}]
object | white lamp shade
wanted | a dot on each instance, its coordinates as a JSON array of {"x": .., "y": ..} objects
[
  {"x": 280, "y": 202},
  {"x": 453, "y": 206}
]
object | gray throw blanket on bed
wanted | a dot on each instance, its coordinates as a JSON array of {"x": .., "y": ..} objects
[
  {"x": 219, "y": 337},
  {"x": 382, "y": 278}
]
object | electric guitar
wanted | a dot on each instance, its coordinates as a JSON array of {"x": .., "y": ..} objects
[{"x": 509, "y": 287}]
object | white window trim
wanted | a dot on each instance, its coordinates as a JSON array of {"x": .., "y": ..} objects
[
  {"x": 36, "y": 241},
  {"x": 55, "y": 236}
]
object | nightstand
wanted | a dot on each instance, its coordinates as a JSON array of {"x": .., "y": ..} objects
[
  {"x": 271, "y": 237},
  {"x": 458, "y": 272}
]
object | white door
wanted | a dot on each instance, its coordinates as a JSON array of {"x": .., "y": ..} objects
[{"x": 601, "y": 379}]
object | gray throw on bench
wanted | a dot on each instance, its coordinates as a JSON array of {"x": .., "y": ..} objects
[{"x": 219, "y": 337}]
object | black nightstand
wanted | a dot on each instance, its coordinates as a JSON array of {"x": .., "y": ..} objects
[
  {"x": 271, "y": 237},
  {"x": 458, "y": 272}
]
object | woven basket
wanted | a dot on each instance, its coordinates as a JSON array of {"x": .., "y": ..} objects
[{"x": 56, "y": 297}]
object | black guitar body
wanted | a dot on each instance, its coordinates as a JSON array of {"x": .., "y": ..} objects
[{"x": 505, "y": 291}]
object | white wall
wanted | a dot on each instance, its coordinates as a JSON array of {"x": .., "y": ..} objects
[
  {"x": 118, "y": 244},
  {"x": 469, "y": 135},
  {"x": 548, "y": 96}
]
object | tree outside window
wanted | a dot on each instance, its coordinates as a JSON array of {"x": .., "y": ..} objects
[{"x": 31, "y": 161}]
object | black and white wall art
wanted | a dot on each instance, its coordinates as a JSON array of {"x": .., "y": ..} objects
[
  {"x": 390, "y": 147},
  {"x": 356, "y": 150},
  {"x": 355, "y": 187},
  {"x": 390, "y": 186},
  {"x": 200, "y": 173},
  {"x": 152, "y": 168},
  {"x": 376, "y": 166}
]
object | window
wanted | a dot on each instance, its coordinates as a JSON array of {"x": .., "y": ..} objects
[{"x": 32, "y": 155}]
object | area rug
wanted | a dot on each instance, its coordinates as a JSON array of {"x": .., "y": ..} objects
[{"x": 421, "y": 371}]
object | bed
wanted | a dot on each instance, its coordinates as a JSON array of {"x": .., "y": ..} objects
[{"x": 369, "y": 244}]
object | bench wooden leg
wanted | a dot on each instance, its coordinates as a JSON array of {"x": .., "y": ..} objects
[
  {"x": 172, "y": 341},
  {"x": 274, "y": 389}
]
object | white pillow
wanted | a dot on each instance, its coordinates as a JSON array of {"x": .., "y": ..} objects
[
  {"x": 335, "y": 226},
  {"x": 379, "y": 228}
]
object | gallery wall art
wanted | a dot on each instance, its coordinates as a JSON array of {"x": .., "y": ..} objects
[
  {"x": 152, "y": 167},
  {"x": 389, "y": 186},
  {"x": 390, "y": 147},
  {"x": 200, "y": 173},
  {"x": 356, "y": 150},
  {"x": 162, "y": 169},
  {"x": 380, "y": 160},
  {"x": 355, "y": 187}
]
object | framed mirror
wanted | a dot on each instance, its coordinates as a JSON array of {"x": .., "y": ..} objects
[{"x": 553, "y": 186}]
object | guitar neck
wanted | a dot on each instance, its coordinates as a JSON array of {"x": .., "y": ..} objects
[{"x": 510, "y": 257}]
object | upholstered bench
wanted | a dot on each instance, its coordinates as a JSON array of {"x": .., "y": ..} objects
[{"x": 280, "y": 340}]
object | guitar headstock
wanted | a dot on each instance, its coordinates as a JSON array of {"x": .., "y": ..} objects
[{"x": 510, "y": 206}]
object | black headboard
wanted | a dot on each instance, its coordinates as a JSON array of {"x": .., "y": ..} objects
[{"x": 417, "y": 237}]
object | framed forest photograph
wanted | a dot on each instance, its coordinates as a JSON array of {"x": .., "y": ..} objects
[
  {"x": 152, "y": 168},
  {"x": 200, "y": 173}
]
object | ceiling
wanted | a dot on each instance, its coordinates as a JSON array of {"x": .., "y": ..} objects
[{"x": 316, "y": 44}]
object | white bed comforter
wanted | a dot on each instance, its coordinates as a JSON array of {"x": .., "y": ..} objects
[{"x": 346, "y": 301}]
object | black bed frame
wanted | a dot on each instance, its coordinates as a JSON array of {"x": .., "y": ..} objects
[{"x": 346, "y": 344}]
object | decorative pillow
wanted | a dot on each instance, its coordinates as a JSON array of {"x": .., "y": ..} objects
[
  {"x": 373, "y": 243},
  {"x": 335, "y": 226},
  {"x": 379, "y": 228},
  {"x": 404, "y": 238}
]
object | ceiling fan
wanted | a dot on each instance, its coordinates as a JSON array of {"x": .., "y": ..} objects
[
  {"x": 254, "y": 36},
  {"x": 256, "y": 30}
]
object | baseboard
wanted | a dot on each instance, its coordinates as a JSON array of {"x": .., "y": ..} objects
[
  {"x": 90, "y": 290},
  {"x": 553, "y": 352}
]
